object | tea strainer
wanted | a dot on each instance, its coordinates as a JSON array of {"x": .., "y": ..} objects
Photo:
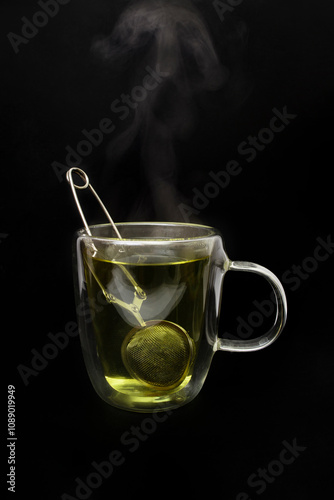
[{"x": 156, "y": 352}]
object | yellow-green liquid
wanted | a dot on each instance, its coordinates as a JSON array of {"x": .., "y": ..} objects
[{"x": 176, "y": 292}]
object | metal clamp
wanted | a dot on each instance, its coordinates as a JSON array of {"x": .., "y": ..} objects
[
  {"x": 139, "y": 294},
  {"x": 87, "y": 184}
]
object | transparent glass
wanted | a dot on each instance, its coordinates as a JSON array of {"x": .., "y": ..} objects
[{"x": 148, "y": 308}]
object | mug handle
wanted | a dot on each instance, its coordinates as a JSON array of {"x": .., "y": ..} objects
[{"x": 281, "y": 311}]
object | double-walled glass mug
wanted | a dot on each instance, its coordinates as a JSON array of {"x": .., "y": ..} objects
[{"x": 148, "y": 307}]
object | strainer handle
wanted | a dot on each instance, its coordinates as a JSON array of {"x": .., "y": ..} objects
[
  {"x": 87, "y": 184},
  {"x": 281, "y": 311},
  {"x": 140, "y": 295}
]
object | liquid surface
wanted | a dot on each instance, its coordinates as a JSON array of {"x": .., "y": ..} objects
[{"x": 151, "y": 352}]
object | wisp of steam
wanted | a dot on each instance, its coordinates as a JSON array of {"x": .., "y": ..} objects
[{"x": 171, "y": 38}]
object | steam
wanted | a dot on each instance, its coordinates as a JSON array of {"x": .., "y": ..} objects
[{"x": 171, "y": 38}]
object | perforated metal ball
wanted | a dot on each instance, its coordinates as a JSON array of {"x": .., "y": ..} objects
[{"x": 158, "y": 354}]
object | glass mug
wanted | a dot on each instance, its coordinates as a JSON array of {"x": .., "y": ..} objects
[{"x": 148, "y": 307}]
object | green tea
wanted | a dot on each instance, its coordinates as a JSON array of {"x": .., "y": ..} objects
[{"x": 147, "y": 346}]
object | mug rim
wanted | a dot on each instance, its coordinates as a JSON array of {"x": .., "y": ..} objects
[{"x": 211, "y": 231}]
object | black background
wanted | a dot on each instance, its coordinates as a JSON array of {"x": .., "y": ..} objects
[{"x": 279, "y": 53}]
